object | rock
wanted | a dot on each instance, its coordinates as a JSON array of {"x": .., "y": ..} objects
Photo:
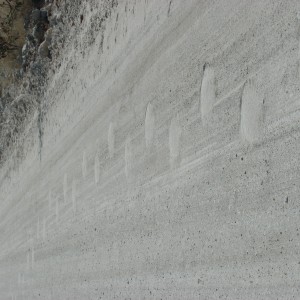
[
  {"x": 31, "y": 39},
  {"x": 35, "y": 15},
  {"x": 38, "y": 3},
  {"x": 44, "y": 49},
  {"x": 44, "y": 15},
  {"x": 46, "y": 12},
  {"x": 38, "y": 32}
]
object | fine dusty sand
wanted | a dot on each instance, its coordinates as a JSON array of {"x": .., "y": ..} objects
[{"x": 169, "y": 162}]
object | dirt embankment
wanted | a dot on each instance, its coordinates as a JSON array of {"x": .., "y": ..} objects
[
  {"x": 23, "y": 27},
  {"x": 41, "y": 33},
  {"x": 12, "y": 37}
]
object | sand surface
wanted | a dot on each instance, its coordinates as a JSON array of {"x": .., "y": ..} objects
[{"x": 169, "y": 162}]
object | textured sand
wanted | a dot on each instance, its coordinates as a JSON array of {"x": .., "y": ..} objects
[{"x": 170, "y": 160}]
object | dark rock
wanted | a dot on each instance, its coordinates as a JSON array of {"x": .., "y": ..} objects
[
  {"x": 44, "y": 15},
  {"x": 38, "y": 32},
  {"x": 38, "y": 3},
  {"x": 31, "y": 39},
  {"x": 35, "y": 15}
]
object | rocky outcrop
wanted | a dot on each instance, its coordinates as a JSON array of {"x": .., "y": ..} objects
[{"x": 48, "y": 27}]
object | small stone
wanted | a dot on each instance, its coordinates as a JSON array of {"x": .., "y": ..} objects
[
  {"x": 30, "y": 38},
  {"x": 35, "y": 15}
]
